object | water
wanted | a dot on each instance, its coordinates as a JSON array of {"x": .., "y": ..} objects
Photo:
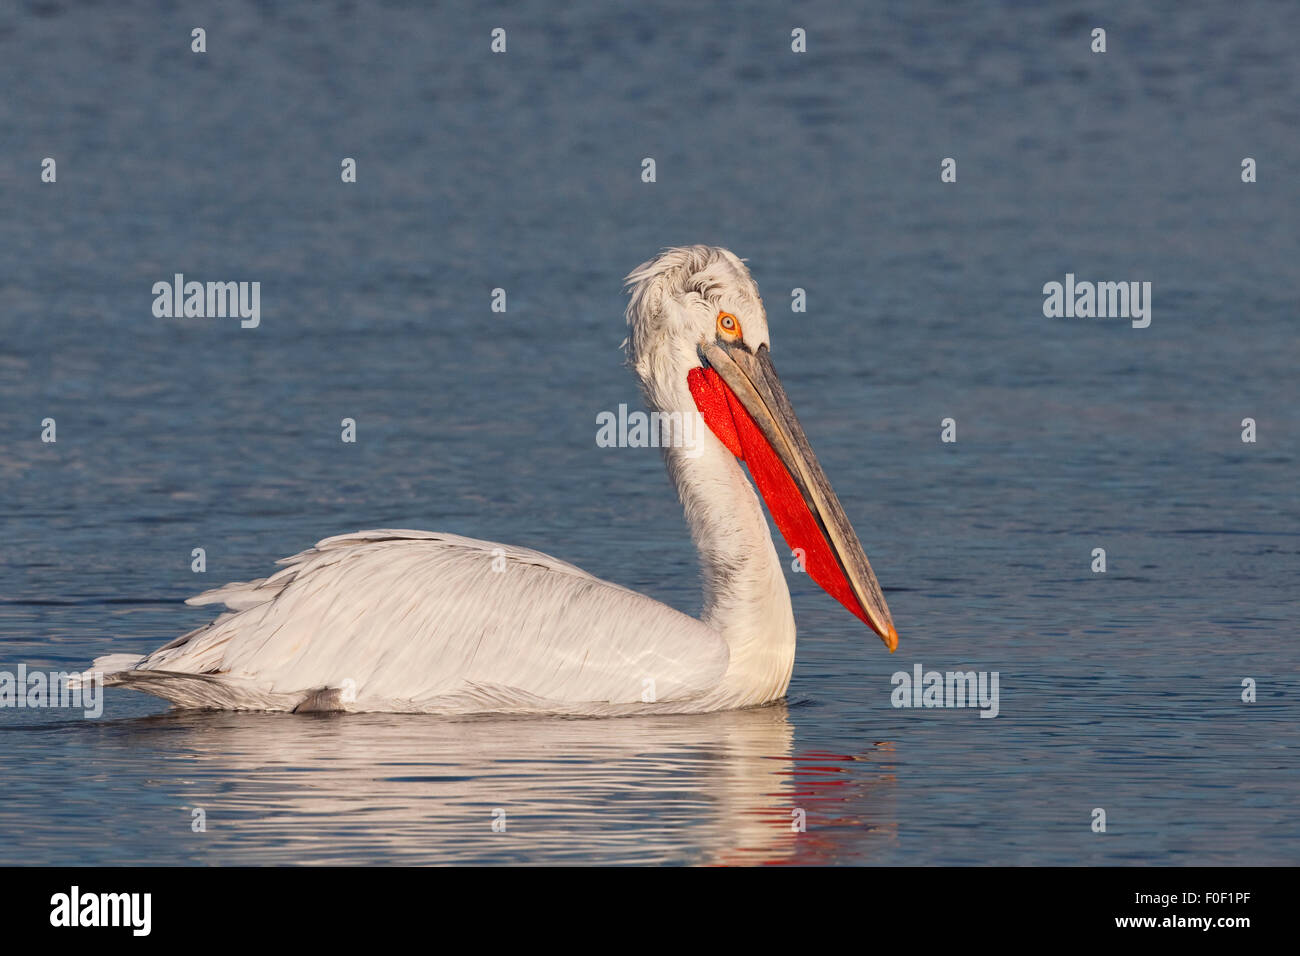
[{"x": 1119, "y": 691}]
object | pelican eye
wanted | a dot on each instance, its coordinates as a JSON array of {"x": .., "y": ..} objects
[{"x": 728, "y": 324}]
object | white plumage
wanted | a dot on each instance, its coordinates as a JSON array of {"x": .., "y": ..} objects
[
  {"x": 416, "y": 621},
  {"x": 413, "y": 621}
]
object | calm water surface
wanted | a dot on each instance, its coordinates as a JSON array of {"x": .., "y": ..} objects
[{"x": 1119, "y": 691}]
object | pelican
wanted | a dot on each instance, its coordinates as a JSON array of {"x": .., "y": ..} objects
[{"x": 423, "y": 622}]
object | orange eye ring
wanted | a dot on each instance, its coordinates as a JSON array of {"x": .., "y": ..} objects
[{"x": 728, "y": 324}]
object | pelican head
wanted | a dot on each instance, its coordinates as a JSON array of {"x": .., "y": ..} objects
[{"x": 698, "y": 340}]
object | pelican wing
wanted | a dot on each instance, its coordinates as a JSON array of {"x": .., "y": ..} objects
[{"x": 392, "y": 618}]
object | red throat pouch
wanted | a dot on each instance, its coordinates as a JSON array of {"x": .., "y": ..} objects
[{"x": 728, "y": 419}]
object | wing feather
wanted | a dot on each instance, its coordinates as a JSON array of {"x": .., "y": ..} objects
[{"x": 413, "y": 616}]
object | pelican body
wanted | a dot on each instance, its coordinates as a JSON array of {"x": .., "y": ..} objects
[{"x": 416, "y": 621}]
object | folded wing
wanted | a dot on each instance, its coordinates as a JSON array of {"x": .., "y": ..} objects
[{"x": 395, "y": 619}]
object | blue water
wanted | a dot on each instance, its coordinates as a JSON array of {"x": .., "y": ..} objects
[{"x": 1120, "y": 691}]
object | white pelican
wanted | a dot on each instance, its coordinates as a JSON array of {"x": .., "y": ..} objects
[{"x": 415, "y": 621}]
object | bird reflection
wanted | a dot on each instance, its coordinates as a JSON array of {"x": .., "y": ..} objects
[{"x": 723, "y": 788}]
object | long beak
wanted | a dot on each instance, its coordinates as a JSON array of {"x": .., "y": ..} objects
[{"x": 784, "y": 467}]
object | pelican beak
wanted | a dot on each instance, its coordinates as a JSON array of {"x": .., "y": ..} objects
[{"x": 741, "y": 398}]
